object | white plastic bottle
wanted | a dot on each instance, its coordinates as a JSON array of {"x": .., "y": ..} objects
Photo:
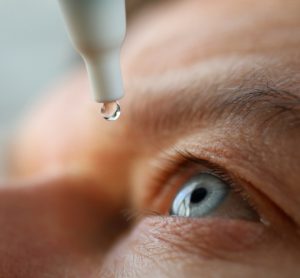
[{"x": 97, "y": 29}]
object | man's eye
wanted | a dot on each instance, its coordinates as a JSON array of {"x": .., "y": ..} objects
[
  {"x": 207, "y": 195},
  {"x": 199, "y": 196}
]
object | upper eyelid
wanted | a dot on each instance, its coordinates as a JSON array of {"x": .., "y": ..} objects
[
  {"x": 258, "y": 200},
  {"x": 212, "y": 169},
  {"x": 182, "y": 162}
]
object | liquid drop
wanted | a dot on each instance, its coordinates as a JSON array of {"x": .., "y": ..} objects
[{"x": 111, "y": 111}]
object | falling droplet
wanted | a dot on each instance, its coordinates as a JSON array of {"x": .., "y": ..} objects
[{"x": 111, "y": 111}]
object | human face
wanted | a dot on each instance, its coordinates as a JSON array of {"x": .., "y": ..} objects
[{"x": 212, "y": 87}]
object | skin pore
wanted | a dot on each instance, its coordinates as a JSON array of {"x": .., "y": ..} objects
[{"x": 210, "y": 86}]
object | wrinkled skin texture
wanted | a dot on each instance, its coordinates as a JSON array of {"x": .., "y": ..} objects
[{"x": 73, "y": 174}]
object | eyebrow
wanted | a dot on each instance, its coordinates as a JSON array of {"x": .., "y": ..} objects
[
  {"x": 251, "y": 98},
  {"x": 264, "y": 105}
]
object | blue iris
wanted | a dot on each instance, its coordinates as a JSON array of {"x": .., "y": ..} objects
[{"x": 199, "y": 196}]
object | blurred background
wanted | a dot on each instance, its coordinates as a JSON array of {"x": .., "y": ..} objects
[{"x": 34, "y": 52}]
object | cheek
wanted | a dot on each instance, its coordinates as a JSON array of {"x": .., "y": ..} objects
[{"x": 170, "y": 247}]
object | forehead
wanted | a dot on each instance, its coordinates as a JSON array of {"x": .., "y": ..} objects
[
  {"x": 194, "y": 57},
  {"x": 181, "y": 33}
]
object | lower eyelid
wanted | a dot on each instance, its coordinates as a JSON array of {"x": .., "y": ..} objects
[{"x": 207, "y": 237}]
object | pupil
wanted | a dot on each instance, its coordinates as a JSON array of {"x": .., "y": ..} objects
[{"x": 198, "y": 195}]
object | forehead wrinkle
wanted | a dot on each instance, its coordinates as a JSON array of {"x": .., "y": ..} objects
[
  {"x": 193, "y": 99},
  {"x": 160, "y": 103}
]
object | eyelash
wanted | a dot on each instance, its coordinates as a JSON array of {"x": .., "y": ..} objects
[{"x": 184, "y": 161}]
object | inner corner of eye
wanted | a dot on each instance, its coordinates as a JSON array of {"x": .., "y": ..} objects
[{"x": 206, "y": 195}]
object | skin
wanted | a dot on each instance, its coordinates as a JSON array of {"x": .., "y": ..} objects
[{"x": 215, "y": 79}]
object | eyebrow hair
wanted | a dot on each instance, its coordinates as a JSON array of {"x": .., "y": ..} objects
[
  {"x": 273, "y": 103},
  {"x": 254, "y": 99}
]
